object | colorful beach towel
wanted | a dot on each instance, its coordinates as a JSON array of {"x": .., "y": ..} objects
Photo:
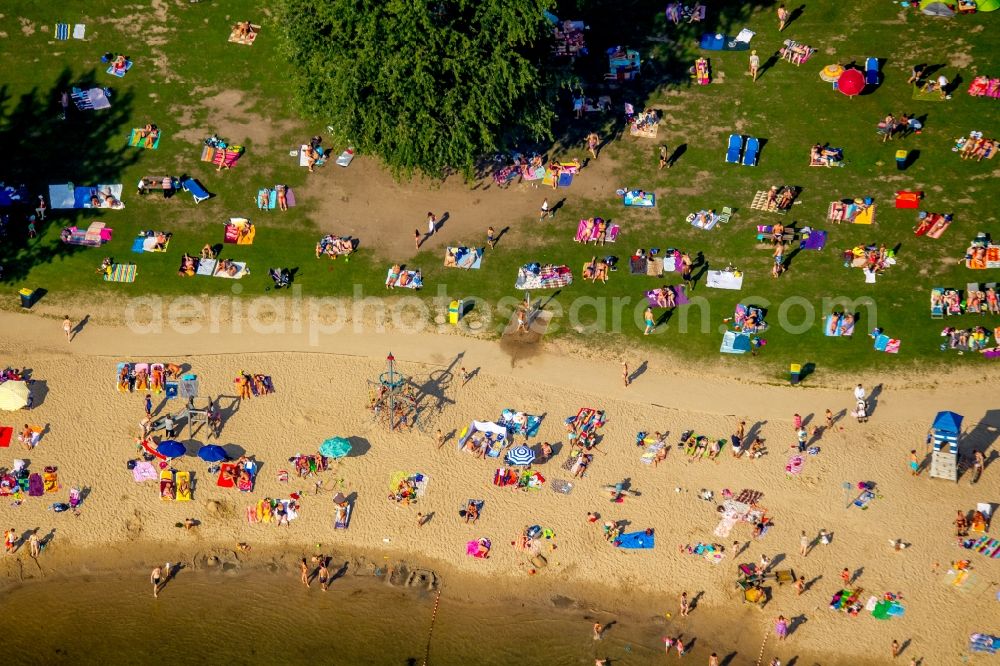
[
  {"x": 136, "y": 140},
  {"x": 121, "y": 273}
]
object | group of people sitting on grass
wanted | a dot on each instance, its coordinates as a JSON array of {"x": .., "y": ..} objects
[
  {"x": 972, "y": 339},
  {"x": 148, "y": 135},
  {"x": 869, "y": 257},
  {"x": 333, "y": 246},
  {"x": 890, "y": 126},
  {"x": 596, "y": 269},
  {"x": 824, "y": 155},
  {"x": 780, "y": 198},
  {"x": 976, "y": 147}
]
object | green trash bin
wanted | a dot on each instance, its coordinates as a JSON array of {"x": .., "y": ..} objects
[{"x": 27, "y": 297}]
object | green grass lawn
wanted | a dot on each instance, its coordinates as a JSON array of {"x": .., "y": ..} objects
[{"x": 185, "y": 66}]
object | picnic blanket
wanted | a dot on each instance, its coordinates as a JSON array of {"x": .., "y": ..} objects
[
  {"x": 463, "y": 257},
  {"x": 856, "y": 212},
  {"x": 119, "y": 72},
  {"x": 146, "y": 242},
  {"x": 813, "y": 240},
  {"x": 136, "y": 140},
  {"x": 121, "y": 273},
  {"x": 724, "y": 280},
  {"x": 221, "y": 157},
  {"x": 534, "y": 276},
  {"x": 886, "y": 344},
  {"x": 248, "y": 40},
  {"x": 67, "y": 195},
  {"x": 610, "y": 233},
  {"x": 416, "y": 281},
  {"x": 703, "y": 219},
  {"x": 720, "y": 42},
  {"x": 835, "y": 326},
  {"x": 508, "y": 420},
  {"x": 91, "y": 99},
  {"x": 272, "y": 197},
  {"x": 639, "y": 199},
  {"x": 658, "y": 298}
]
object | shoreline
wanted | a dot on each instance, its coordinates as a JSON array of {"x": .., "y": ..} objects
[{"x": 636, "y": 624}]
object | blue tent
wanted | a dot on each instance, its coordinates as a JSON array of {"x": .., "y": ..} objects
[{"x": 948, "y": 422}]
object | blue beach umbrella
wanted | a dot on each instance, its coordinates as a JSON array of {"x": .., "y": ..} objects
[
  {"x": 520, "y": 455},
  {"x": 169, "y": 448},
  {"x": 335, "y": 447},
  {"x": 212, "y": 453}
]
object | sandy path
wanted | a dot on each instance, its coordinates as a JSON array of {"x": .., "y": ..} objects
[{"x": 323, "y": 394}]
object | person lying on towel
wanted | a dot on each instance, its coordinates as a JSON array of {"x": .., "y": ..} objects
[
  {"x": 188, "y": 265},
  {"x": 207, "y": 252}
]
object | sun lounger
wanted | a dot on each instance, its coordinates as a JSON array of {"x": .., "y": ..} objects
[
  {"x": 183, "y": 486},
  {"x": 639, "y": 199},
  {"x": 121, "y": 273},
  {"x": 724, "y": 280},
  {"x": 196, "y": 189},
  {"x": 463, "y": 257},
  {"x": 92, "y": 99},
  {"x": 751, "y": 152},
  {"x": 735, "y": 149}
]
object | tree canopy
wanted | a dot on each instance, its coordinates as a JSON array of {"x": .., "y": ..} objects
[{"x": 427, "y": 85}]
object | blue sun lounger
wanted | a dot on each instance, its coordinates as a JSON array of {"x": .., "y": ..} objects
[
  {"x": 196, "y": 189},
  {"x": 752, "y": 151},
  {"x": 871, "y": 71},
  {"x": 734, "y": 150}
]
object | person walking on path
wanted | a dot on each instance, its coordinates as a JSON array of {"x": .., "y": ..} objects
[
  {"x": 68, "y": 328},
  {"x": 782, "y": 18},
  {"x": 545, "y": 211},
  {"x": 625, "y": 374},
  {"x": 663, "y": 158},
  {"x": 649, "y": 320},
  {"x": 34, "y": 546},
  {"x": 804, "y": 544},
  {"x": 754, "y": 64},
  {"x": 416, "y": 239},
  {"x": 491, "y": 240},
  {"x": 156, "y": 578},
  {"x": 432, "y": 223}
]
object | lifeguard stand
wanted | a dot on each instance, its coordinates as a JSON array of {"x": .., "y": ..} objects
[
  {"x": 392, "y": 398},
  {"x": 944, "y": 437}
]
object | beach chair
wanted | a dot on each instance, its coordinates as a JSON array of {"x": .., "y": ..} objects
[
  {"x": 196, "y": 189},
  {"x": 726, "y": 213},
  {"x": 752, "y": 151},
  {"x": 734, "y": 150},
  {"x": 783, "y": 576},
  {"x": 871, "y": 71}
]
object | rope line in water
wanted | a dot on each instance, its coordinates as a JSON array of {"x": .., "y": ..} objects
[{"x": 430, "y": 632}]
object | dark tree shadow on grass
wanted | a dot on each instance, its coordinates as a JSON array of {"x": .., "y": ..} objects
[{"x": 40, "y": 148}]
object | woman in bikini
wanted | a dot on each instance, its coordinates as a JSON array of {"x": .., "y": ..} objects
[
  {"x": 264, "y": 199},
  {"x": 282, "y": 192},
  {"x": 602, "y": 271},
  {"x": 602, "y": 231},
  {"x": 390, "y": 281},
  {"x": 405, "y": 278},
  {"x": 590, "y": 270}
]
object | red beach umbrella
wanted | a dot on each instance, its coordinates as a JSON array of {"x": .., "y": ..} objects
[{"x": 851, "y": 82}]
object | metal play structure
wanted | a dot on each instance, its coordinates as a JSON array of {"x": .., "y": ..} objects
[{"x": 392, "y": 398}]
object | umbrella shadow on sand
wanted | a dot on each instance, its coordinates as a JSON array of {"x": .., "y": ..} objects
[{"x": 359, "y": 447}]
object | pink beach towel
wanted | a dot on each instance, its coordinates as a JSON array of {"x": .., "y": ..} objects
[
  {"x": 794, "y": 465},
  {"x": 144, "y": 471}
]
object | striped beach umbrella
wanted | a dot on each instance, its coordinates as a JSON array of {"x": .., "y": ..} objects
[{"x": 520, "y": 455}]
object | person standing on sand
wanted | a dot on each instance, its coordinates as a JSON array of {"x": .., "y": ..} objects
[
  {"x": 681, "y": 648},
  {"x": 491, "y": 240},
  {"x": 845, "y": 576},
  {"x": 895, "y": 648},
  {"x": 422, "y": 519},
  {"x": 324, "y": 576},
  {"x": 304, "y": 572},
  {"x": 148, "y": 404},
  {"x": 859, "y": 393},
  {"x": 156, "y": 577},
  {"x": 914, "y": 463},
  {"x": 598, "y": 631},
  {"x": 68, "y": 328},
  {"x": 10, "y": 541},
  {"x": 625, "y": 374},
  {"x": 431, "y": 224},
  {"x": 593, "y": 141},
  {"x": 439, "y": 438},
  {"x": 754, "y": 64},
  {"x": 829, "y": 420},
  {"x": 416, "y": 239},
  {"x": 685, "y": 604},
  {"x": 713, "y": 660},
  {"x": 545, "y": 211},
  {"x": 800, "y": 586},
  {"x": 35, "y": 547}
]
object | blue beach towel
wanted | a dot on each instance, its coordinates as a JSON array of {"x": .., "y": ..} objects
[
  {"x": 636, "y": 540},
  {"x": 62, "y": 31}
]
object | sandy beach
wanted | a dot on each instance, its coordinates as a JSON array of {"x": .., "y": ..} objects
[{"x": 320, "y": 393}]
